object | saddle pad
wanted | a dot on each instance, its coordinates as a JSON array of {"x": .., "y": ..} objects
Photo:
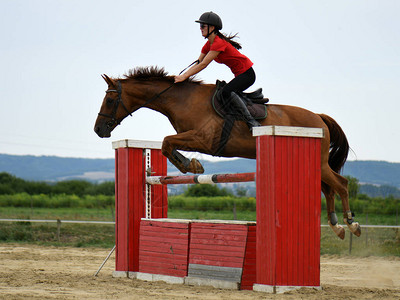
[{"x": 258, "y": 111}]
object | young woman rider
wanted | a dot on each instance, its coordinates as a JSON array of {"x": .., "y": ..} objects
[{"x": 224, "y": 50}]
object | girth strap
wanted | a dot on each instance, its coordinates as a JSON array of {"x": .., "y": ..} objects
[{"x": 229, "y": 121}]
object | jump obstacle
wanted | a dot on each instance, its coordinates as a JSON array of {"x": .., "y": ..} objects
[{"x": 280, "y": 252}]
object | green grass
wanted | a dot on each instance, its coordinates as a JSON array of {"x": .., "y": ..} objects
[
  {"x": 373, "y": 219},
  {"x": 251, "y": 216},
  {"x": 372, "y": 242},
  {"x": 106, "y": 214},
  {"x": 379, "y": 242},
  {"x": 211, "y": 215},
  {"x": 76, "y": 235},
  {"x": 86, "y": 214}
]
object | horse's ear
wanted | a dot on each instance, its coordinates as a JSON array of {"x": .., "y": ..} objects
[{"x": 109, "y": 81}]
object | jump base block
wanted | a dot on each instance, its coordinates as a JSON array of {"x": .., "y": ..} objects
[{"x": 213, "y": 253}]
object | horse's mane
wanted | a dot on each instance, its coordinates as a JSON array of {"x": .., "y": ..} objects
[{"x": 152, "y": 73}]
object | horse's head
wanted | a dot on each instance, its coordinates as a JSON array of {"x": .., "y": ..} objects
[
  {"x": 142, "y": 87},
  {"x": 112, "y": 111}
]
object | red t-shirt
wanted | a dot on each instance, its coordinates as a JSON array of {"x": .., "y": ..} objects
[{"x": 229, "y": 55}]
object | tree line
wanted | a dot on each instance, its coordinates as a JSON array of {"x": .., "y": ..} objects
[
  {"x": 10, "y": 185},
  {"x": 78, "y": 193}
]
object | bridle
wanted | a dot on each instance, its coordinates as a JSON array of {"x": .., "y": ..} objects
[
  {"x": 113, "y": 116},
  {"x": 117, "y": 102}
]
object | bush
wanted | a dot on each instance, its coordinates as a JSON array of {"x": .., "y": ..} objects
[
  {"x": 10, "y": 185},
  {"x": 205, "y": 190},
  {"x": 364, "y": 204}
]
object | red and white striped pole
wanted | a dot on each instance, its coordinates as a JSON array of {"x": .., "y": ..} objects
[{"x": 201, "y": 179}]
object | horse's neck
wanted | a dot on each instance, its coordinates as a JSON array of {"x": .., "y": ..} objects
[
  {"x": 178, "y": 103},
  {"x": 144, "y": 95},
  {"x": 174, "y": 101}
]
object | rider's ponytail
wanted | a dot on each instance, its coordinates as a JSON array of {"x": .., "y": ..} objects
[{"x": 230, "y": 40}]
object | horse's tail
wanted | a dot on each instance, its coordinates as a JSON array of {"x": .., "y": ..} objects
[{"x": 339, "y": 146}]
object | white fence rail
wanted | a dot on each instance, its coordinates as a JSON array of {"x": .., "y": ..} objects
[
  {"x": 112, "y": 223},
  {"x": 56, "y": 221}
]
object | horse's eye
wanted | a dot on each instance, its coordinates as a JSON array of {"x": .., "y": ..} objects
[{"x": 109, "y": 101}]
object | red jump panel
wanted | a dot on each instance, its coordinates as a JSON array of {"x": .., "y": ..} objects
[
  {"x": 164, "y": 247},
  {"x": 288, "y": 210}
]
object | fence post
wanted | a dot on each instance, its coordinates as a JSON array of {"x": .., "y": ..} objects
[
  {"x": 350, "y": 242},
  {"x": 133, "y": 159},
  {"x": 366, "y": 230},
  {"x": 288, "y": 207},
  {"x": 58, "y": 229},
  {"x": 31, "y": 206}
]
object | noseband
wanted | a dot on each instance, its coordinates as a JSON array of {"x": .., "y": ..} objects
[{"x": 117, "y": 102}]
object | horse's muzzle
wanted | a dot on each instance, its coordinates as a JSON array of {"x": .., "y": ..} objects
[{"x": 102, "y": 132}]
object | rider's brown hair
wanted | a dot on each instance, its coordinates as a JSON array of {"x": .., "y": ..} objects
[{"x": 230, "y": 40}]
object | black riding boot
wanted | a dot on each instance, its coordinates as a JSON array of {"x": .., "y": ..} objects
[{"x": 239, "y": 105}]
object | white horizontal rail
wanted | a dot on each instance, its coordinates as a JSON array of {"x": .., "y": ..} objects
[
  {"x": 372, "y": 226},
  {"x": 55, "y": 221},
  {"x": 109, "y": 223}
]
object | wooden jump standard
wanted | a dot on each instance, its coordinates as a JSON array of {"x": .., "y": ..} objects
[{"x": 280, "y": 253}]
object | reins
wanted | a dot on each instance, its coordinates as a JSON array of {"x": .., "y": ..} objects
[{"x": 112, "y": 116}]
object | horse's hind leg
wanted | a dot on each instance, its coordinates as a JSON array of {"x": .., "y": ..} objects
[
  {"x": 339, "y": 185},
  {"x": 330, "y": 208}
]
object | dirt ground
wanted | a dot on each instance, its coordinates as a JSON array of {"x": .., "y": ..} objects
[{"x": 37, "y": 272}]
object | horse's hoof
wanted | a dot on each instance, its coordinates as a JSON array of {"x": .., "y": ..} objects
[
  {"x": 195, "y": 167},
  {"x": 338, "y": 230},
  {"x": 354, "y": 227},
  {"x": 341, "y": 232}
]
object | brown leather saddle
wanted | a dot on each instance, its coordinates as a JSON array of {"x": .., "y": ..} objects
[{"x": 255, "y": 102}]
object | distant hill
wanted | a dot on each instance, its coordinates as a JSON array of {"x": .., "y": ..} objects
[
  {"x": 53, "y": 168},
  {"x": 374, "y": 172}
]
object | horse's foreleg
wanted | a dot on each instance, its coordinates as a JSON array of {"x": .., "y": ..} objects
[
  {"x": 188, "y": 141},
  {"x": 184, "y": 164}
]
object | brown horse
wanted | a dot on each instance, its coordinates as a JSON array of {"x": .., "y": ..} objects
[{"x": 188, "y": 107}]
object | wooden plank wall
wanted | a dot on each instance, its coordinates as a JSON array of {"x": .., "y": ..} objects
[
  {"x": 164, "y": 247},
  {"x": 214, "y": 251},
  {"x": 217, "y": 251}
]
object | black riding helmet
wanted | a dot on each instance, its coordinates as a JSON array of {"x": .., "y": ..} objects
[{"x": 211, "y": 18}]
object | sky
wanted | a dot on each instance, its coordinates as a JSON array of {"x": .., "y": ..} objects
[{"x": 336, "y": 57}]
